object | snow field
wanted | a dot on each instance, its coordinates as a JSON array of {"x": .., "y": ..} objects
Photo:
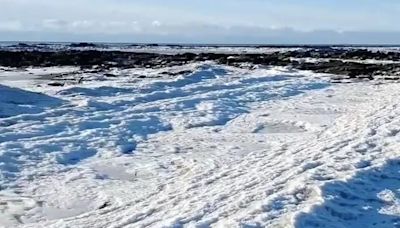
[{"x": 218, "y": 147}]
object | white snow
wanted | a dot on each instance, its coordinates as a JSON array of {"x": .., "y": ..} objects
[
  {"x": 363, "y": 61},
  {"x": 218, "y": 147}
]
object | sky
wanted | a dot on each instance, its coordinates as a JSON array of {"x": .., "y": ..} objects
[{"x": 202, "y": 21}]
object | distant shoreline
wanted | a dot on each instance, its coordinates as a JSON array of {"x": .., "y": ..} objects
[
  {"x": 347, "y": 63},
  {"x": 199, "y": 44}
]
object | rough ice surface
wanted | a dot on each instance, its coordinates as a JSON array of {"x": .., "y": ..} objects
[{"x": 218, "y": 147}]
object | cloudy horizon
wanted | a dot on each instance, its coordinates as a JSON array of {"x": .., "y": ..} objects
[{"x": 233, "y": 21}]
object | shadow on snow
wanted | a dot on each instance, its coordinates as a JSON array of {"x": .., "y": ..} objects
[
  {"x": 228, "y": 100},
  {"x": 369, "y": 199},
  {"x": 14, "y": 101}
]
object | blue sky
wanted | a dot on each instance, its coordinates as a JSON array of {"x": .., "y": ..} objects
[{"x": 202, "y": 21}]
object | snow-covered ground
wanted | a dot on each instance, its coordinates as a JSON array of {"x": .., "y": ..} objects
[
  {"x": 218, "y": 147},
  {"x": 365, "y": 61}
]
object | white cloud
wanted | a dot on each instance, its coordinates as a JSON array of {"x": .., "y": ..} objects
[
  {"x": 156, "y": 23},
  {"x": 227, "y": 20},
  {"x": 155, "y": 31}
]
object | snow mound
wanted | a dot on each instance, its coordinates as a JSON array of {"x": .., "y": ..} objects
[
  {"x": 14, "y": 101},
  {"x": 218, "y": 147}
]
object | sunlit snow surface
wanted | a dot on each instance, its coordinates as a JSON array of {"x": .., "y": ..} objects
[{"x": 218, "y": 147}]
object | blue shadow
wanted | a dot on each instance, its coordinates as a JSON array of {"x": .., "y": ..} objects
[
  {"x": 14, "y": 101},
  {"x": 356, "y": 203}
]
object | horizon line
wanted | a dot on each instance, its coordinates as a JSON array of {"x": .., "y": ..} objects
[{"x": 201, "y": 44}]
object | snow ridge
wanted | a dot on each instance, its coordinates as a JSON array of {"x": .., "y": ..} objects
[{"x": 219, "y": 147}]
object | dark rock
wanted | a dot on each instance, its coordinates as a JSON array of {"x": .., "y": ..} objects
[
  {"x": 109, "y": 75},
  {"x": 104, "y": 205},
  {"x": 56, "y": 84},
  {"x": 23, "y": 45},
  {"x": 101, "y": 61},
  {"x": 82, "y": 45}
]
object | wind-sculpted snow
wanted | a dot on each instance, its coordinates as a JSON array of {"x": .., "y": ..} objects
[
  {"x": 218, "y": 147},
  {"x": 207, "y": 97},
  {"x": 14, "y": 101},
  {"x": 369, "y": 199}
]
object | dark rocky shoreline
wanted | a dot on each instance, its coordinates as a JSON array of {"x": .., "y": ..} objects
[{"x": 347, "y": 63}]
